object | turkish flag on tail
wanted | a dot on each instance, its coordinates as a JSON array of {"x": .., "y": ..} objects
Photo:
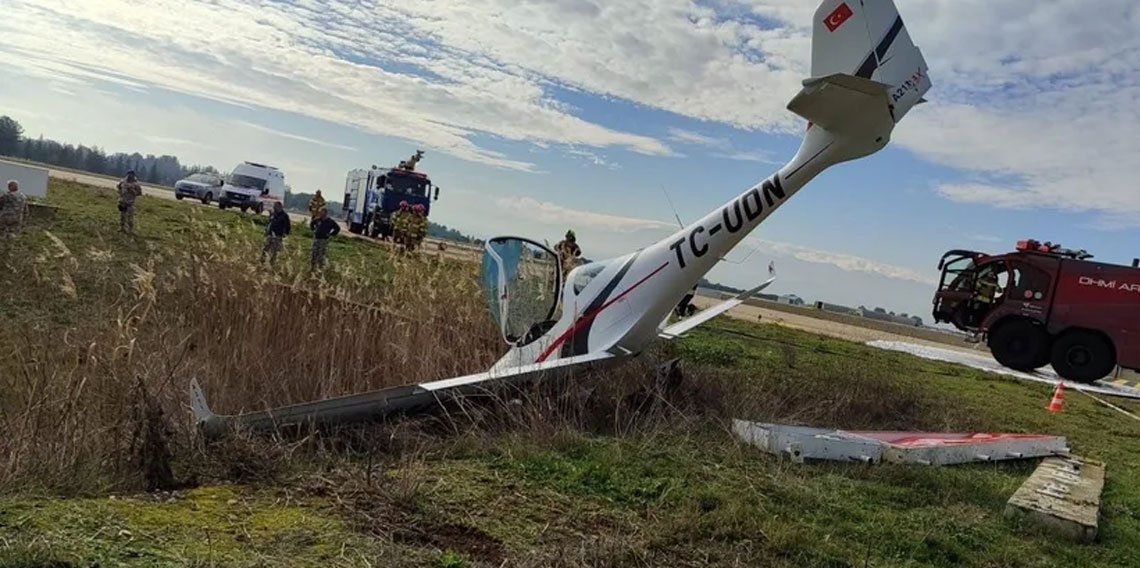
[{"x": 837, "y": 17}]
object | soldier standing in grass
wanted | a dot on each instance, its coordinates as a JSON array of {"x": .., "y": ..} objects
[
  {"x": 275, "y": 231},
  {"x": 13, "y": 211},
  {"x": 324, "y": 229},
  {"x": 129, "y": 188}
]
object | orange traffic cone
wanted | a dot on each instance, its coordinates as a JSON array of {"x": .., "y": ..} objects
[{"x": 1058, "y": 402}]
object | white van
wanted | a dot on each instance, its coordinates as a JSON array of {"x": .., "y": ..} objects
[{"x": 252, "y": 186}]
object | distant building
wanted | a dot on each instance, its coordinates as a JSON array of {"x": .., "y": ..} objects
[
  {"x": 889, "y": 317},
  {"x": 791, "y": 300},
  {"x": 713, "y": 293},
  {"x": 835, "y": 308}
]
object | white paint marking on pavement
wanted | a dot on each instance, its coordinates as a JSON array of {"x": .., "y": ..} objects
[{"x": 985, "y": 362}]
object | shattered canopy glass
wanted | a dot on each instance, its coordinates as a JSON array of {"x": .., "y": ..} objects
[{"x": 521, "y": 282}]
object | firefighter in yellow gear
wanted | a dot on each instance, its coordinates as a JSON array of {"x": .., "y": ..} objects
[
  {"x": 986, "y": 291},
  {"x": 417, "y": 227},
  {"x": 315, "y": 205},
  {"x": 400, "y": 224},
  {"x": 987, "y": 288}
]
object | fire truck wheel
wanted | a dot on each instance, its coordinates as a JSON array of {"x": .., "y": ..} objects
[
  {"x": 1020, "y": 345},
  {"x": 1082, "y": 356}
]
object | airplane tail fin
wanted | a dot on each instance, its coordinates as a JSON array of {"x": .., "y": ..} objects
[
  {"x": 866, "y": 74},
  {"x": 868, "y": 39},
  {"x": 198, "y": 403}
]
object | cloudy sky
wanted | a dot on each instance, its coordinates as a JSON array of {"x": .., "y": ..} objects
[{"x": 539, "y": 115}]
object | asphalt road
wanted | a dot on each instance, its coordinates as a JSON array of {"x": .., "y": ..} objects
[{"x": 452, "y": 249}]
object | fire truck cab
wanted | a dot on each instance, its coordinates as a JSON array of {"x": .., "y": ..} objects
[{"x": 1043, "y": 304}]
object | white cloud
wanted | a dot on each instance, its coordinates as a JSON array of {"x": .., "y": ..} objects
[
  {"x": 722, "y": 148},
  {"x": 689, "y": 137},
  {"x": 347, "y": 64},
  {"x": 761, "y": 156},
  {"x": 553, "y": 214},
  {"x": 845, "y": 262},
  {"x": 593, "y": 158},
  {"x": 1035, "y": 99},
  {"x": 297, "y": 137},
  {"x": 171, "y": 141}
]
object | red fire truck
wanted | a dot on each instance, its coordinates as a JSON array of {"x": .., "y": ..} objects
[{"x": 1044, "y": 304}]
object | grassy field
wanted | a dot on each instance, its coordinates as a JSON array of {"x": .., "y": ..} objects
[
  {"x": 862, "y": 322},
  {"x": 99, "y": 334}
]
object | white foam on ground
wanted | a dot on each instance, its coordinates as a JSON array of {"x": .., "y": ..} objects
[{"x": 985, "y": 362}]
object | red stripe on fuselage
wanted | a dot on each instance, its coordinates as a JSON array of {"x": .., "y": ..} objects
[{"x": 590, "y": 316}]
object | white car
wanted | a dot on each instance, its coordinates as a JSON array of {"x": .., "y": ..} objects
[{"x": 204, "y": 187}]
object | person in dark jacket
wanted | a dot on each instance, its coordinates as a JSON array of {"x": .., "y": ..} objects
[
  {"x": 324, "y": 229},
  {"x": 275, "y": 231}
]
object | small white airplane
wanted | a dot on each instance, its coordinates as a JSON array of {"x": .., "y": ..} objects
[{"x": 866, "y": 74}]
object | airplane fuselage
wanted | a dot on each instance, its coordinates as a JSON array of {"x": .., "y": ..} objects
[{"x": 623, "y": 307}]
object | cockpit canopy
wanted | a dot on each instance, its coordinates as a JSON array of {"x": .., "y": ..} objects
[
  {"x": 586, "y": 274},
  {"x": 521, "y": 281}
]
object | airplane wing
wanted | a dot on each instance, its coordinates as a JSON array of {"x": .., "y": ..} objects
[
  {"x": 680, "y": 328},
  {"x": 381, "y": 402}
]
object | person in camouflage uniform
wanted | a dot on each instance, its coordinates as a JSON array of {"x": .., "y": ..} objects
[
  {"x": 568, "y": 253},
  {"x": 417, "y": 227},
  {"x": 400, "y": 224},
  {"x": 13, "y": 211},
  {"x": 129, "y": 189}
]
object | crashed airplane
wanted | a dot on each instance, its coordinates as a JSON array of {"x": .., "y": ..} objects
[{"x": 866, "y": 74}]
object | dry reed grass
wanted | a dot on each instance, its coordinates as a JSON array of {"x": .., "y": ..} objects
[
  {"x": 99, "y": 402},
  {"x": 76, "y": 400}
]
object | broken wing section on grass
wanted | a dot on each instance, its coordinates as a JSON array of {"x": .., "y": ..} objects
[
  {"x": 382, "y": 402},
  {"x": 680, "y": 328}
]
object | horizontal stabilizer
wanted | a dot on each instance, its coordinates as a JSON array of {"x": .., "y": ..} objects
[
  {"x": 680, "y": 328},
  {"x": 845, "y": 104}
]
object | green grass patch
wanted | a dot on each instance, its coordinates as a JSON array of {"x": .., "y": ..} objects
[{"x": 225, "y": 526}]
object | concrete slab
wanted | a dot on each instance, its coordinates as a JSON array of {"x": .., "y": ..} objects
[{"x": 1062, "y": 497}]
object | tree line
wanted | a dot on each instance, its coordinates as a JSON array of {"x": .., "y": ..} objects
[{"x": 158, "y": 170}]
